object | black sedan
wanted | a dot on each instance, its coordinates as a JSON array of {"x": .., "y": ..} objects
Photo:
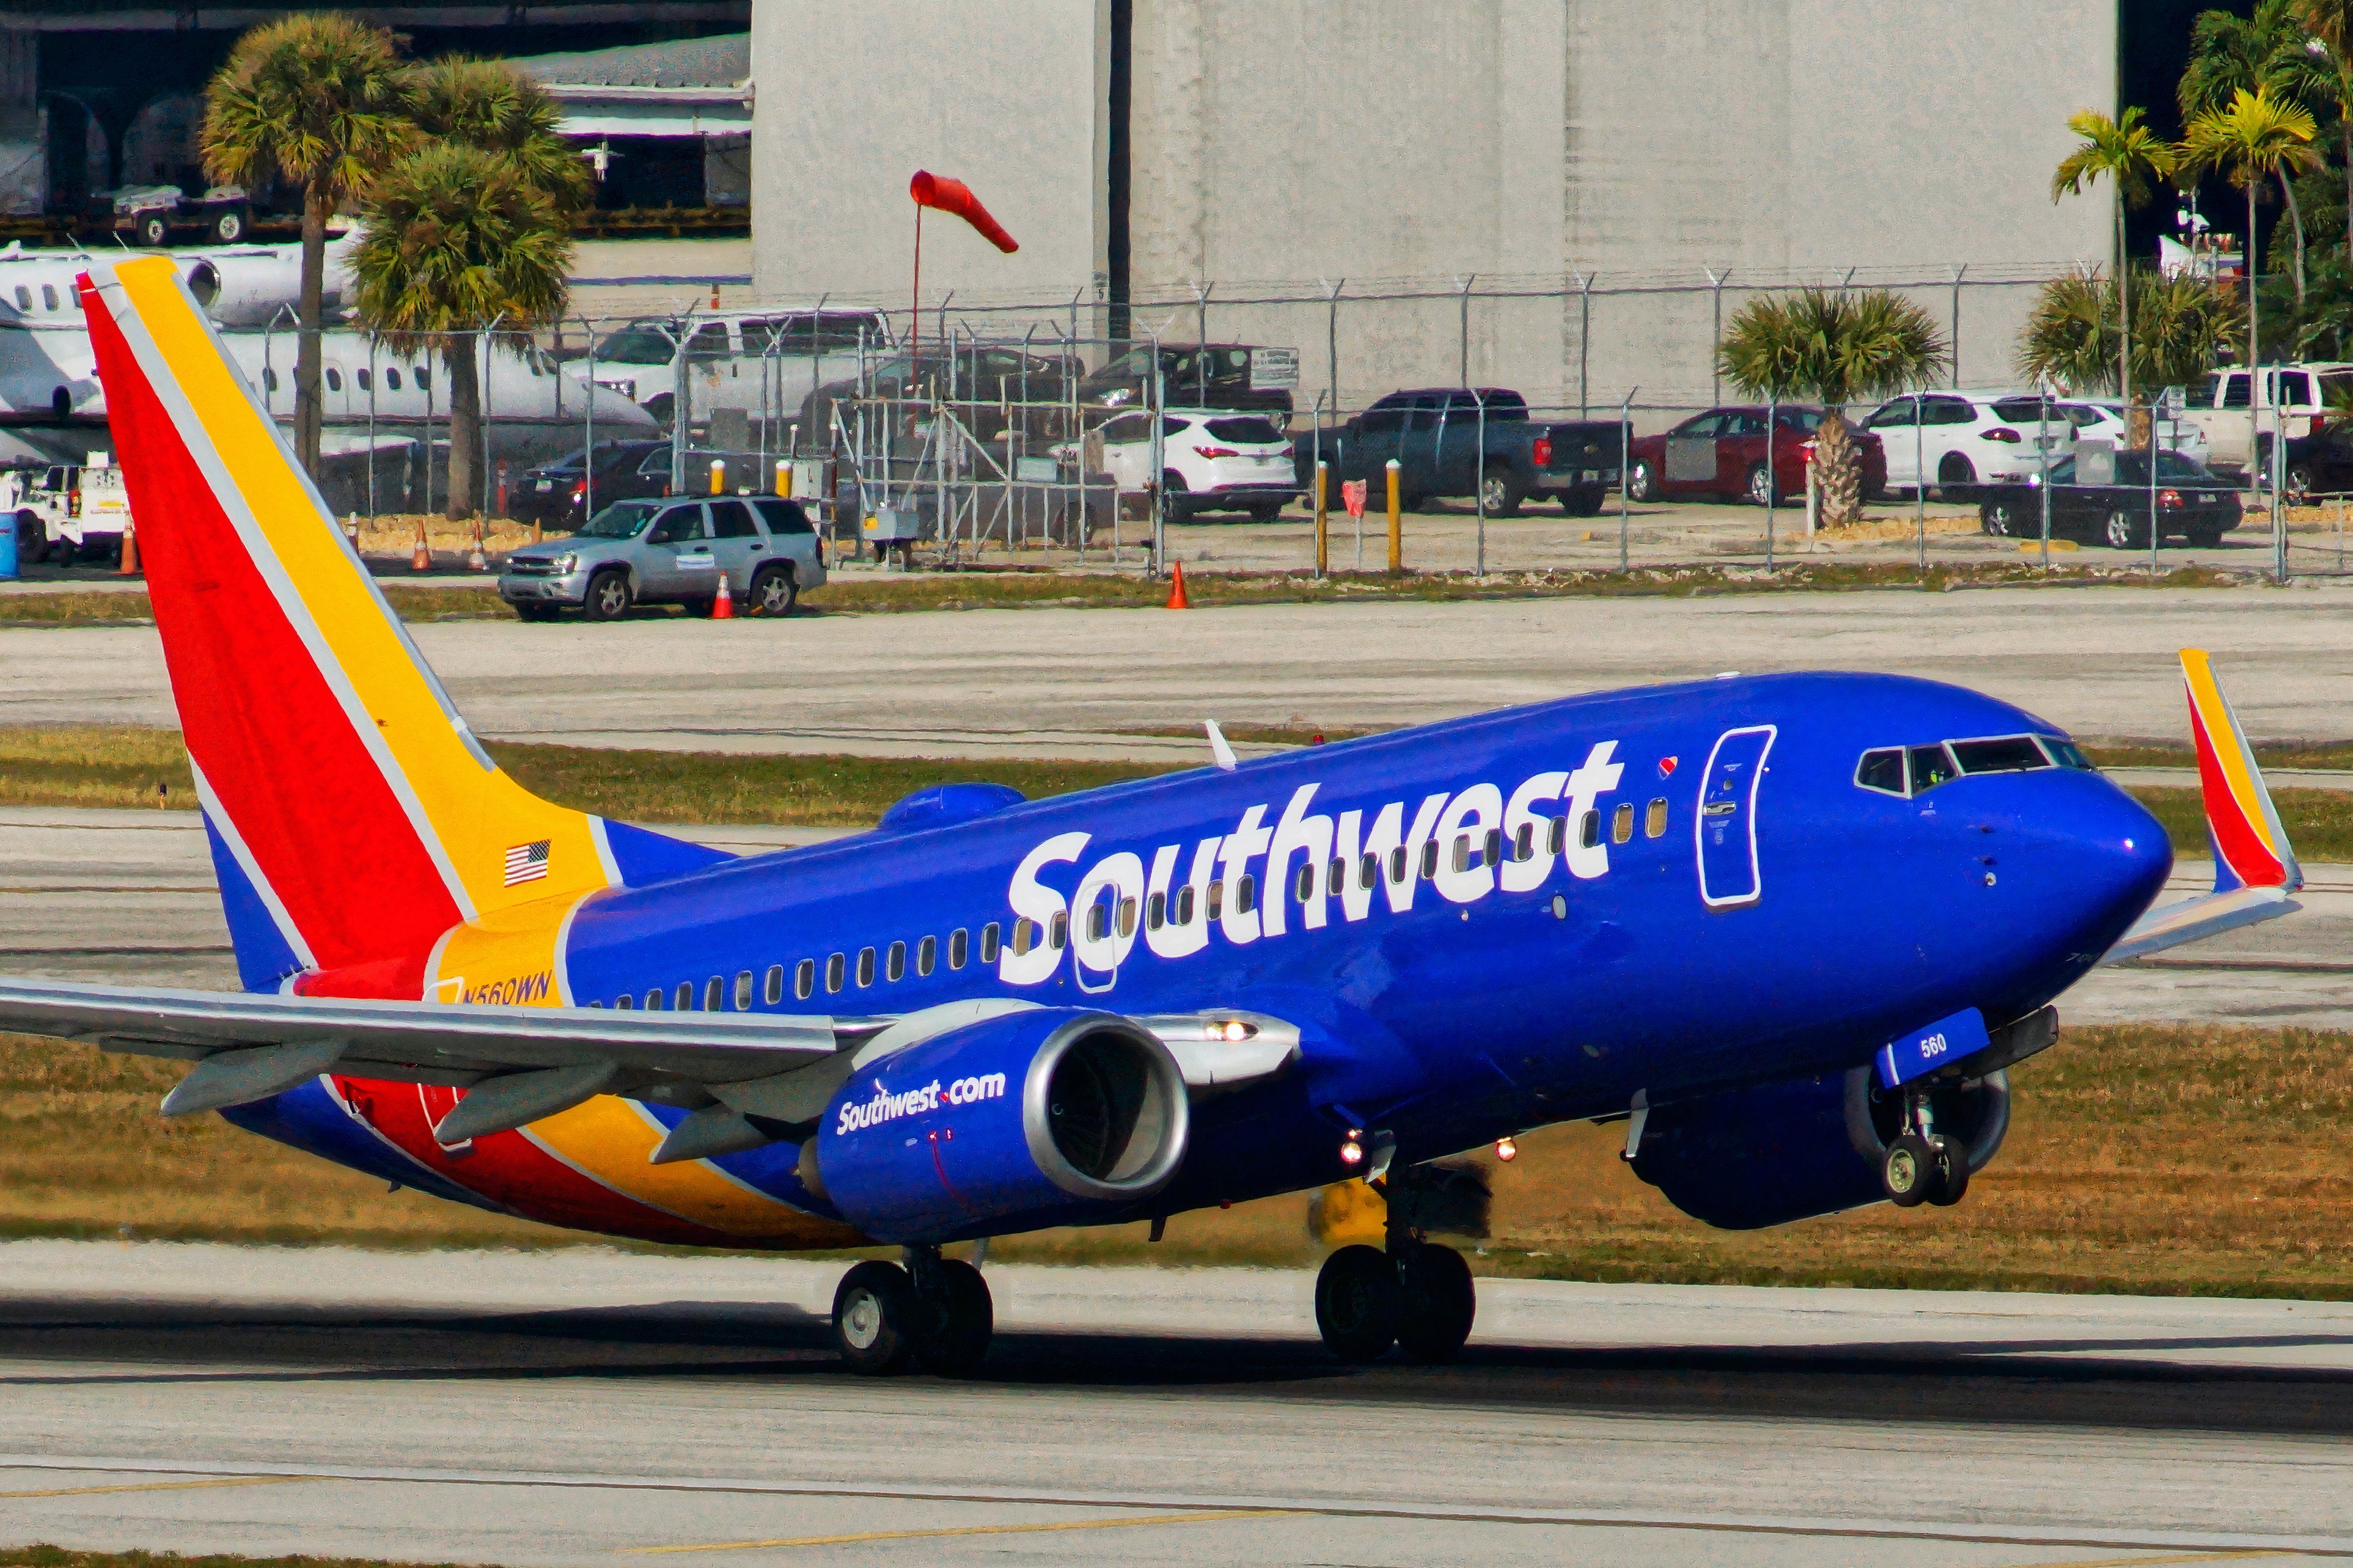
[
  {"x": 2114, "y": 508},
  {"x": 555, "y": 495}
]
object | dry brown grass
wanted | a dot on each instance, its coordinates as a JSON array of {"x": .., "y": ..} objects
[{"x": 2164, "y": 1160}]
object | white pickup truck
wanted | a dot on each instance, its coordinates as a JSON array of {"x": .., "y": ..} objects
[
  {"x": 2287, "y": 401},
  {"x": 67, "y": 509}
]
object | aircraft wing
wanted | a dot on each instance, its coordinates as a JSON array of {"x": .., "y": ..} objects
[
  {"x": 518, "y": 1063},
  {"x": 2255, "y": 868}
]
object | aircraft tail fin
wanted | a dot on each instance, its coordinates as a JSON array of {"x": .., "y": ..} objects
[
  {"x": 353, "y": 815},
  {"x": 2255, "y": 868}
]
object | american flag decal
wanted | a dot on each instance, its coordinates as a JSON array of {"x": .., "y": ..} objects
[{"x": 527, "y": 862}]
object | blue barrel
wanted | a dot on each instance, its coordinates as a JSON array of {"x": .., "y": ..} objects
[{"x": 8, "y": 572}]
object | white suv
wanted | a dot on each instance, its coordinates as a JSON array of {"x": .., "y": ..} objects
[
  {"x": 1211, "y": 459},
  {"x": 1956, "y": 441}
]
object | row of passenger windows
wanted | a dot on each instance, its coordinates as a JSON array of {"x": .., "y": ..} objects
[
  {"x": 424, "y": 378},
  {"x": 1909, "y": 771},
  {"x": 716, "y": 994}
]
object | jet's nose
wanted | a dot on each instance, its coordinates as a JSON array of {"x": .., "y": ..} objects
[{"x": 2085, "y": 858}]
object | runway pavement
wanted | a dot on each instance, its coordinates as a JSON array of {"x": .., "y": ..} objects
[
  {"x": 1058, "y": 682},
  {"x": 594, "y": 1407}
]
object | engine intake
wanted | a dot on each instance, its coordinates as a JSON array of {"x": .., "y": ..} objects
[
  {"x": 1789, "y": 1151},
  {"x": 1048, "y": 1116}
]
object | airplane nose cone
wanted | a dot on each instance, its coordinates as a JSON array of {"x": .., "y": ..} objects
[{"x": 2108, "y": 857}]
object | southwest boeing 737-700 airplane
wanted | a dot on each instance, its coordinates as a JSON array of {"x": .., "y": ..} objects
[{"x": 1790, "y": 928}]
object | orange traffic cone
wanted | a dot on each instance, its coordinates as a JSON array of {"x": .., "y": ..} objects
[
  {"x": 130, "y": 567},
  {"x": 723, "y": 608},
  {"x": 421, "y": 558},
  {"x": 1177, "y": 600}
]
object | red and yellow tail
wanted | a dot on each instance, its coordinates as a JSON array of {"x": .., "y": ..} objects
[
  {"x": 2250, "y": 845},
  {"x": 356, "y": 818}
]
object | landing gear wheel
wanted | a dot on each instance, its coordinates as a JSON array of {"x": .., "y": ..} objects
[
  {"x": 607, "y": 595},
  {"x": 963, "y": 1319},
  {"x": 1952, "y": 1170},
  {"x": 874, "y": 1315},
  {"x": 1436, "y": 1303},
  {"x": 1356, "y": 1303},
  {"x": 1908, "y": 1172},
  {"x": 774, "y": 592}
]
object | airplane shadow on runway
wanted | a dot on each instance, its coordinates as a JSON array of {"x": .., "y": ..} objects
[{"x": 2084, "y": 1381}]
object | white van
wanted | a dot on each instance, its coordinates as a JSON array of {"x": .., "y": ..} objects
[
  {"x": 748, "y": 361},
  {"x": 2288, "y": 400}
]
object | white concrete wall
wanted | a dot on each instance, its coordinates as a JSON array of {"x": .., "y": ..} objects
[
  {"x": 854, "y": 96},
  {"x": 1279, "y": 145}
]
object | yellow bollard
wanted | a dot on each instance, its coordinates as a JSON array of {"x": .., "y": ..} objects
[
  {"x": 1323, "y": 491},
  {"x": 718, "y": 476},
  {"x": 784, "y": 476},
  {"x": 1396, "y": 523}
]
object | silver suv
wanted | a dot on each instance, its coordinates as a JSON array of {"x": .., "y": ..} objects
[{"x": 672, "y": 551}]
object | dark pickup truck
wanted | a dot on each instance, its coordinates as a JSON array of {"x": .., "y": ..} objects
[{"x": 1434, "y": 433}]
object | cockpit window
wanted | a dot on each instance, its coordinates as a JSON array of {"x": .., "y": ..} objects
[
  {"x": 1930, "y": 767},
  {"x": 2009, "y": 754},
  {"x": 1881, "y": 770},
  {"x": 2066, "y": 753},
  {"x": 1915, "y": 770}
]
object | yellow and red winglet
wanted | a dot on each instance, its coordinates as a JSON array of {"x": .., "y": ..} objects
[
  {"x": 2249, "y": 843},
  {"x": 2255, "y": 868}
]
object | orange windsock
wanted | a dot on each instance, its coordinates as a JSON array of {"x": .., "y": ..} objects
[{"x": 931, "y": 190}]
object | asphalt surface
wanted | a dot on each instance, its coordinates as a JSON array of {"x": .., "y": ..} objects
[
  {"x": 591, "y": 1407},
  {"x": 2100, "y": 661}
]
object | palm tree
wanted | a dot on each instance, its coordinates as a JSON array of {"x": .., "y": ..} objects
[
  {"x": 315, "y": 100},
  {"x": 2181, "y": 326},
  {"x": 2255, "y": 139},
  {"x": 2330, "y": 25},
  {"x": 2269, "y": 53},
  {"x": 1834, "y": 347},
  {"x": 2130, "y": 154},
  {"x": 458, "y": 239},
  {"x": 490, "y": 105}
]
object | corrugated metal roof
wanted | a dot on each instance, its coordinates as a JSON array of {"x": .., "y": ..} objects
[{"x": 723, "y": 61}]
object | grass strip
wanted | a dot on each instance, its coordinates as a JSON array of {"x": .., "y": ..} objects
[
  {"x": 2155, "y": 1159},
  {"x": 1022, "y": 589}
]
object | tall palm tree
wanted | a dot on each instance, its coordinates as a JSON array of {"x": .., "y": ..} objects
[
  {"x": 2255, "y": 139},
  {"x": 491, "y": 105},
  {"x": 1835, "y": 347},
  {"x": 2330, "y": 25},
  {"x": 2268, "y": 53},
  {"x": 315, "y": 100},
  {"x": 459, "y": 239},
  {"x": 2131, "y": 157}
]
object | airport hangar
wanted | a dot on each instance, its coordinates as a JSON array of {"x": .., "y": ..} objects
[{"x": 1137, "y": 148}]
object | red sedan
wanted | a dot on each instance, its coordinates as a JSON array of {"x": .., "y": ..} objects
[{"x": 1722, "y": 453}]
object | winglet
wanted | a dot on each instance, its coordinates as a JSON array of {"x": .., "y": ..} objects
[
  {"x": 2255, "y": 866},
  {"x": 1218, "y": 746},
  {"x": 2251, "y": 847}
]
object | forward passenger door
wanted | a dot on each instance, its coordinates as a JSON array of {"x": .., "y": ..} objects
[{"x": 1728, "y": 872}]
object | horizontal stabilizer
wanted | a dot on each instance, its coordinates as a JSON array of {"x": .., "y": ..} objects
[{"x": 2255, "y": 866}]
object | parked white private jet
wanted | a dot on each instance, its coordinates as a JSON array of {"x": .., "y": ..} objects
[{"x": 52, "y": 409}]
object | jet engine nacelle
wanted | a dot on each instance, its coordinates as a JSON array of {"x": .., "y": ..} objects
[
  {"x": 1810, "y": 1146},
  {"x": 251, "y": 285},
  {"x": 1048, "y": 1116}
]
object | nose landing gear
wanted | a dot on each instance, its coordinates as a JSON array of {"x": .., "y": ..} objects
[
  {"x": 936, "y": 1312},
  {"x": 1922, "y": 1165},
  {"x": 1415, "y": 1294}
]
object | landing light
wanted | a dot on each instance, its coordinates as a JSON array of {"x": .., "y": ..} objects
[
  {"x": 1351, "y": 1153},
  {"x": 1506, "y": 1150},
  {"x": 1229, "y": 1031}
]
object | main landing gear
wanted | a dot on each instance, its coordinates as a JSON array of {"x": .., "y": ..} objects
[
  {"x": 934, "y": 1313},
  {"x": 1922, "y": 1165},
  {"x": 1413, "y": 1294}
]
